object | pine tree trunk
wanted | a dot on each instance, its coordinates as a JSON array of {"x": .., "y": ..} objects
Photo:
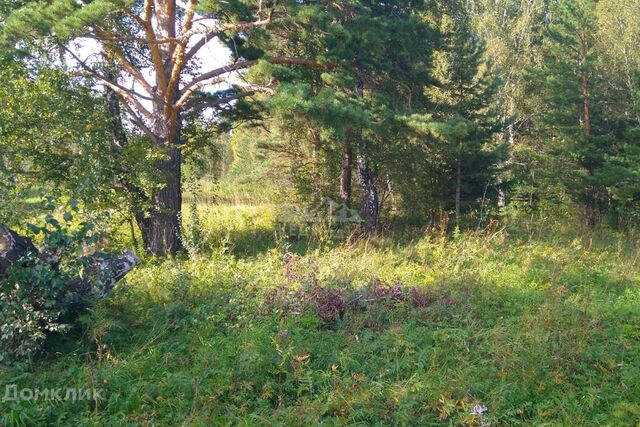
[
  {"x": 161, "y": 227},
  {"x": 458, "y": 190},
  {"x": 589, "y": 207},
  {"x": 589, "y": 197},
  {"x": 370, "y": 209},
  {"x": 160, "y": 224},
  {"x": 586, "y": 113},
  {"x": 345, "y": 175},
  {"x": 370, "y": 205},
  {"x": 502, "y": 195}
]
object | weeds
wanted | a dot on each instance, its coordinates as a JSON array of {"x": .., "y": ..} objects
[{"x": 490, "y": 328}]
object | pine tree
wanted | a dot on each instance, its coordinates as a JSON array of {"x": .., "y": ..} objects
[
  {"x": 571, "y": 91},
  {"x": 463, "y": 119},
  {"x": 156, "y": 44},
  {"x": 349, "y": 113}
]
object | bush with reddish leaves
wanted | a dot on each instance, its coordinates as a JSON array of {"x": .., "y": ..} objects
[{"x": 330, "y": 304}]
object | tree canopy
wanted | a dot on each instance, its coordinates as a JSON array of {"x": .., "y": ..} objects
[{"x": 407, "y": 108}]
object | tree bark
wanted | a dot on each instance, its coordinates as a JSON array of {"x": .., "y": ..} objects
[
  {"x": 589, "y": 196},
  {"x": 345, "y": 175},
  {"x": 586, "y": 113},
  {"x": 370, "y": 208},
  {"x": 13, "y": 247},
  {"x": 370, "y": 204},
  {"x": 161, "y": 231},
  {"x": 589, "y": 207},
  {"x": 458, "y": 189},
  {"x": 102, "y": 273},
  {"x": 163, "y": 226}
]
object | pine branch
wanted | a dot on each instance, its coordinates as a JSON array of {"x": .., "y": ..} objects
[
  {"x": 128, "y": 94},
  {"x": 201, "y": 80}
]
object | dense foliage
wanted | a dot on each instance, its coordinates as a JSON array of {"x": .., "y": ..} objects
[
  {"x": 420, "y": 110},
  {"x": 539, "y": 328},
  {"x": 38, "y": 294},
  {"x": 409, "y": 212}
]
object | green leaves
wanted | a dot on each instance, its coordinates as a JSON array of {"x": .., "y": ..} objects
[
  {"x": 587, "y": 104},
  {"x": 36, "y": 294},
  {"x": 55, "y": 146}
]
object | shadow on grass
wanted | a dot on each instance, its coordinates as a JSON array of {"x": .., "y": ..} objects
[{"x": 552, "y": 342}]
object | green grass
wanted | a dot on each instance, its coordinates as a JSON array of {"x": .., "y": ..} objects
[{"x": 541, "y": 331}]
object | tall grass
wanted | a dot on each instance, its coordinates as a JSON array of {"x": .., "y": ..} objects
[{"x": 541, "y": 328}]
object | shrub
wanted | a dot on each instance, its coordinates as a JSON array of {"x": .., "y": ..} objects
[
  {"x": 330, "y": 304},
  {"x": 32, "y": 301},
  {"x": 37, "y": 293}
]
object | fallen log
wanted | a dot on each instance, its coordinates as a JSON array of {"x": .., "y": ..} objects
[
  {"x": 103, "y": 271},
  {"x": 13, "y": 248}
]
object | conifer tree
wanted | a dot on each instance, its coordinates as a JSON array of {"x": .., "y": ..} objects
[
  {"x": 570, "y": 89},
  {"x": 350, "y": 111},
  {"x": 463, "y": 119},
  {"x": 155, "y": 44}
]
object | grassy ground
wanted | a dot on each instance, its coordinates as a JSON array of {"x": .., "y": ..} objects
[{"x": 540, "y": 331}]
